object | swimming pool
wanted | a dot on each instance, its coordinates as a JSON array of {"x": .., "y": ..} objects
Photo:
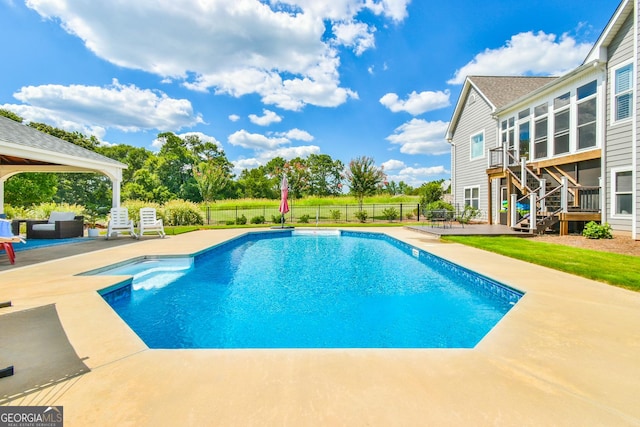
[{"x": 322, "y": 290}]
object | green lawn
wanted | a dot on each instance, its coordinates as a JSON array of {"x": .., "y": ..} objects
[{"x": 614, "y": 269}]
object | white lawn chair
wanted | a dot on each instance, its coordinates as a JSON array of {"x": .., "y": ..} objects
[
  {"x": 119, "y": 221},
  {"x": 149, "y": 222}
]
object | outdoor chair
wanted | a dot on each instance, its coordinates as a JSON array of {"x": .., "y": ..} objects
[
  {"x": 60, "y": 225},
  {"x": 149, "y": 222},
  {"x": 118, "y": 222},
  {"x": 7, "y": 239},
  {"x": 441, "y": 216}
]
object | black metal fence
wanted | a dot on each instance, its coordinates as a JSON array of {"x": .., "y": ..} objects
[{"x": 259, "y": 214}]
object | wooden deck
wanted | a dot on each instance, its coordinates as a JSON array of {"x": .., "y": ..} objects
[{"x": 469, "y": 230}]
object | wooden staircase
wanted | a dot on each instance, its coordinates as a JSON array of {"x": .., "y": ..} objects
[{"x": 543, "y": 196}]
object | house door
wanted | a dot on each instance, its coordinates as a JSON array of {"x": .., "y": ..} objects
[{"x": 504, "y": 203}]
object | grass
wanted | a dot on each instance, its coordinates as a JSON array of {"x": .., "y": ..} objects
[{"x": 614, "y": 269}]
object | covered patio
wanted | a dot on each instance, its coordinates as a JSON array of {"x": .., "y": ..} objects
[{"x": 25, "y": 149}]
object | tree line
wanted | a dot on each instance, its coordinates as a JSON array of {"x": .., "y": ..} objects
[{"x": 189, "y": 168}]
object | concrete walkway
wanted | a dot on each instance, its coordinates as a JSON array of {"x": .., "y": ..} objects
[{"x": 566, "y": 355}]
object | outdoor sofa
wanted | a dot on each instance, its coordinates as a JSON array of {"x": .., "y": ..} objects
[{"x": 60, "y": 225}]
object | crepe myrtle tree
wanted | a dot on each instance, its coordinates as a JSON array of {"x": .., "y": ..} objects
[{"x": 364, "y": 178}]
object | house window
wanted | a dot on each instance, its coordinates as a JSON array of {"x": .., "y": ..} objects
[
  {"x": 561, "y": 124},
  {"x": 622, "y": 182},
  {"x": 587, "y": 106},
  {"x": 524, "y": 139},
  {"x": 508, "y": 133},
  {"x": 541, "y": 110},
  {"x": 472, "y": 197},
  {"x": 477, "y": 145},
  {"x": 540, "y": 141},
  {"x": 623, "y": 79}
]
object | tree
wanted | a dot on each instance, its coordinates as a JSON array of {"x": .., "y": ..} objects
[
  {"x": 297, "y": 173},
  {"x": 325, "y": 175},
  {"x": 10, "y": 115},
  {"x": 212, "y": 178},
  {"x": 134, "y": 157},
  {"x": 431, "y": 192},
  {"x": 174, "y": 165},
  {"x": 406, "y": 189},
  {"x": 364, "y": 177},
  {"x": 90, "y": 143},
  {"x": 26, "y": 189},
  {"x": 259, "y": 184},
  {"x": 392, "y": 188}
]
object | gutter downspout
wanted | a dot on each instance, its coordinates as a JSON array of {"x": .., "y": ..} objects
[{"x": 634, "y": 136}]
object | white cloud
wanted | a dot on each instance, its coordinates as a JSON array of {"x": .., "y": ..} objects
[
  {"x": 297, "y": 134},
  {"x": 417, "y": 103},
  {"x": 92, "y": 109},
  {"x": 255, "y": 141},
  {"x": 391, "y": 165},
  {"x": 273, "y": 49},
  {"x": 241, "y": 164},
  {"x": 356, "y": 35},
  {"x": 418, "y": 136},
  {"x": 203, "y": 137},
  {"x": 288, "y": 153},
  {"x": 527, "y": 54},
  {"x": 263, "y": 157},
  {"x": 234, "y": 117},
  {"x": 266, "y": 119},
  {"x": 416, "y": 176}
]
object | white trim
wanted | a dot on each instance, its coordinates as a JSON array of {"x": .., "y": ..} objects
[
  {"x": 612, "y": 183},
  {"x": 464, "y": 195},
  {"x": 612, "y": 95},
  {"x": 484, "y": 146}
]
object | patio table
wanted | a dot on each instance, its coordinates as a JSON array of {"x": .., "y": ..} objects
[{"x": 6, "y": 243}]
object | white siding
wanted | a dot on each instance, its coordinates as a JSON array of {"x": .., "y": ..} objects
[
  {"x": 618, "y": 138},
  {"x": 475, "y": 118}
]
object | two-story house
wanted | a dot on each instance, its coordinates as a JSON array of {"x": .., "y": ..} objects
[{"x": 541, "y": 152}]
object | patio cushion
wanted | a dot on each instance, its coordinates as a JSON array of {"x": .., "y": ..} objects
[
  {"x": 5, "y": 230},
  {"x": 41, "y": 227},
  {"x": 60, "y": 216}
]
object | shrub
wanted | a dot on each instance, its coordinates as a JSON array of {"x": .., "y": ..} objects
[
  {"x": 43, "y": 210},
  {"x": 390, "y": 213},
  {"x": 468, "y": 214},
  {"x": 230, "y": 222},
  {"x": 258, "y": 220},
  {"x": 361, "y": 215},
  {"x": 304, "y": 219},
  {"x": 16, "y": 212},
  {"x": 241, "y": 220},
  {"x": 134, "y": 206},
  {"x": 277, "y": 219},
  {"x": 593, "y": 230},
  {"x": 334, "y": 214},
  {"x": 181, "y": 212}
]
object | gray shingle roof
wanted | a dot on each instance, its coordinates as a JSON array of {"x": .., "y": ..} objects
[
  {"x": 501, "y": 90},
  {"x": 17, "y": 133}
]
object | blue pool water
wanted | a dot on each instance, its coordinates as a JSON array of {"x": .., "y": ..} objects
[{"x": 281, "y": 290}]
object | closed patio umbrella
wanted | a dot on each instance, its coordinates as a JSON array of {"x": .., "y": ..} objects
[{"x": 284, "y": 193}]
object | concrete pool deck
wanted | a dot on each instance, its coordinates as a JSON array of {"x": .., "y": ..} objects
[{"x": 567, "y": 354}]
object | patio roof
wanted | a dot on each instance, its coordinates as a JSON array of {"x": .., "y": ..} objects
[{"x": 25, "y": 149}]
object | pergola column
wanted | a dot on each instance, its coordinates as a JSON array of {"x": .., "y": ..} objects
[
  {"x": 1, "y": 195},
  {"x": 115, "y": 192}
]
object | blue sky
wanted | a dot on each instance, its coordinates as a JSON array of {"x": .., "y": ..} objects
[{"x": 266, "y": 78}]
